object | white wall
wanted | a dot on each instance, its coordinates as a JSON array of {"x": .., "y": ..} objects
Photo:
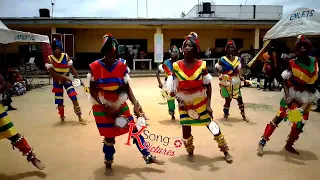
[{"x": 239, "y": 12}]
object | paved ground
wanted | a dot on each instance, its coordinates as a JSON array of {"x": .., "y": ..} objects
[{"x": 74, "y": 151}]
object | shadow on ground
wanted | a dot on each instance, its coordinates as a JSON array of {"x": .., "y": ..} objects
[
  {"x": 305, "y": 155},
  {"x": 122, "y": 172},
  {"x": 199, "y": 161},
  {"x": 24, "y": 175}
]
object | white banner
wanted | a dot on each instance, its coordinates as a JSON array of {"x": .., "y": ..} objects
[
  {"x": 158, "y": 48},
  {"x": 302, "y": 21}
]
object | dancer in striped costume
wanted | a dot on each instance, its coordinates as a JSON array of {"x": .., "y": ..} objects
[
  {"x": 191, "y": 85},
  {"x": 167, "y": 67},
  {"x": 59, "y": 65},
  {"x": 8, "y": 131},
  {"x": 110, "y": 89},
  {"x": 299, "y": 93},
  {"x": 229, "y": 66}
]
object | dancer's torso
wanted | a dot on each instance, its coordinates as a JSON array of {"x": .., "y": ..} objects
[
  {"x": 190, "y": 80},
  {"x": 230, "y": 67},
  {"x": 303, "y": 76},
  {"x": 60, "y": 65},
  {"x": 110, "y": 81}
]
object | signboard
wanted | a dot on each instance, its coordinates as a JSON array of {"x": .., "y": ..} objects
[{"x": 158, "y": 48}]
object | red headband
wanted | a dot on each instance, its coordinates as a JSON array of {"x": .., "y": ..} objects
[{"x": 303, "y": 39}]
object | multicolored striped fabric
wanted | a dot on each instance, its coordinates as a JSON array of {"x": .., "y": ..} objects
[
  {"x": 109, "y": 80},
  {"x": 191, "y": 82},
  {"x": 60, "y": 65},
  {"x": 230, "y": 67},
  {"x": 7, "y": 128},
  {"x": 200, "y": 106},
  {"x": 58, "y": 90},
  {"x": 189, "y": 78},
  {"x": 105, "y": 123},
  {"x": 167, "y": 67},
  {"x": 303, "y": 74}
]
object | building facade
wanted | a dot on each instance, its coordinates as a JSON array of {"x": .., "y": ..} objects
[{"x": 83, "y": 36}]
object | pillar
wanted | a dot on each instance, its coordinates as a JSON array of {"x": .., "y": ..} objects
[
  {"x": 158, "y": 45},
  {"x": 53, "y": 30},
  {"x": 256, "y": 40}
]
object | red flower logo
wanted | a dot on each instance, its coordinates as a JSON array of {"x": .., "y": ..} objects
[{"x": 177, "y": 143}]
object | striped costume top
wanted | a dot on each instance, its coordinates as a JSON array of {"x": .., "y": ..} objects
[
  {"x": 301, "y": 80},
  {"x": 228, "y": 67},
  {"x": 166, "y": 67},
  {"x": 61, "y": 65},
  {"x": 110, "y": 83},
  {"x": 188, "y": 83}
]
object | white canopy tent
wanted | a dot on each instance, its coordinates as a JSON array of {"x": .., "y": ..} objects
[
  {"x": 8, "y": 36},
  {"x": 302, "y": 21}
]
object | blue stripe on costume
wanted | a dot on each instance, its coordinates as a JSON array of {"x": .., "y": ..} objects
[
  {"x": 59, "y": 94},
  {"x": 58, "y": 101},
  {"x": 186, "y": 115},
  {"x": 4, "y": 114},
  {"x": 110, "y": 80},
  {"x": 57, "y": 85},
  {"x": 108, "y": 69},
  {"x": 169, "y": 64},
  {"x": 226, "y": 66}
]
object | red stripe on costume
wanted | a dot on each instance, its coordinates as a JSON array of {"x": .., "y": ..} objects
[
  {"x": 74, "y": 93},
  {"x": 57, "y": 90},
  {"x": 113, "y": 132},
  {"x": 283, "y": 112},
  {"x": 197, "y": 105},
  {"x": 165, "y": 67},
  {"x": 187, "y": 84},
  {"x": 187, "y": 71}
]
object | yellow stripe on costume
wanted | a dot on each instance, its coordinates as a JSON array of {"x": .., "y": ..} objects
[
  {"x": 301, "y": 75},
  {"x": 233, "y": 63},
  {"x": 69, "y": 88},
  {"x": 58, "y": 97},
  {"x": 195, "y": 74},
  {"x": 199, "y": 110},
  {"x": 58, "y": 60},
  {"x": 5, "y": 121},
  {"x": 65, "y": 70},
  {"x": 110, "y": 88}
]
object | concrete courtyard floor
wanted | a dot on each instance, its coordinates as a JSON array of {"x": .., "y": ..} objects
[{"x": 74, "y": 152}]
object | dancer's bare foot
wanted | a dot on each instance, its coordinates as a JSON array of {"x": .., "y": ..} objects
[
  {"x": 228, "y": 157},
  {"x": 62, "y": 119},
  {"x": 173, "y": 118},
  {"x": 226, "y": 116},
  {"x": 291, "y": 149},
  {"x": 38, "y": 164},
  {"x": 152, "y": 159},
  {"x": 190, "y": 157},
  {"x": 244, "y": 117},
  {"x": 109, "y": 170},
  {"x": 82, "y": 121},
  {"x": 260, "y": 149}
]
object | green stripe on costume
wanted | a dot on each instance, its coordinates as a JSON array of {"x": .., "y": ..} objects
[
  {"x": 177, "y": 73},
  {"x": 124, "y": 109},
  {"x": 195, "y": 122},
  {"x": 171, "y": 105},
  {"x": 283, "y": 103},
  {"x": 95, "y": 113},
  {"x": 6, "y": 127}
]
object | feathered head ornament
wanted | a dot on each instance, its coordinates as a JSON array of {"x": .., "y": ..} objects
[
  {"x": 109, "y": 44},
  {"x": 301, "y": 39},
  {"x": 193, "y": 38},
  {"x": 174, "y": 50},
  {"x": 56, "y": 43},
  {"x": 231, "y": 42}
]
